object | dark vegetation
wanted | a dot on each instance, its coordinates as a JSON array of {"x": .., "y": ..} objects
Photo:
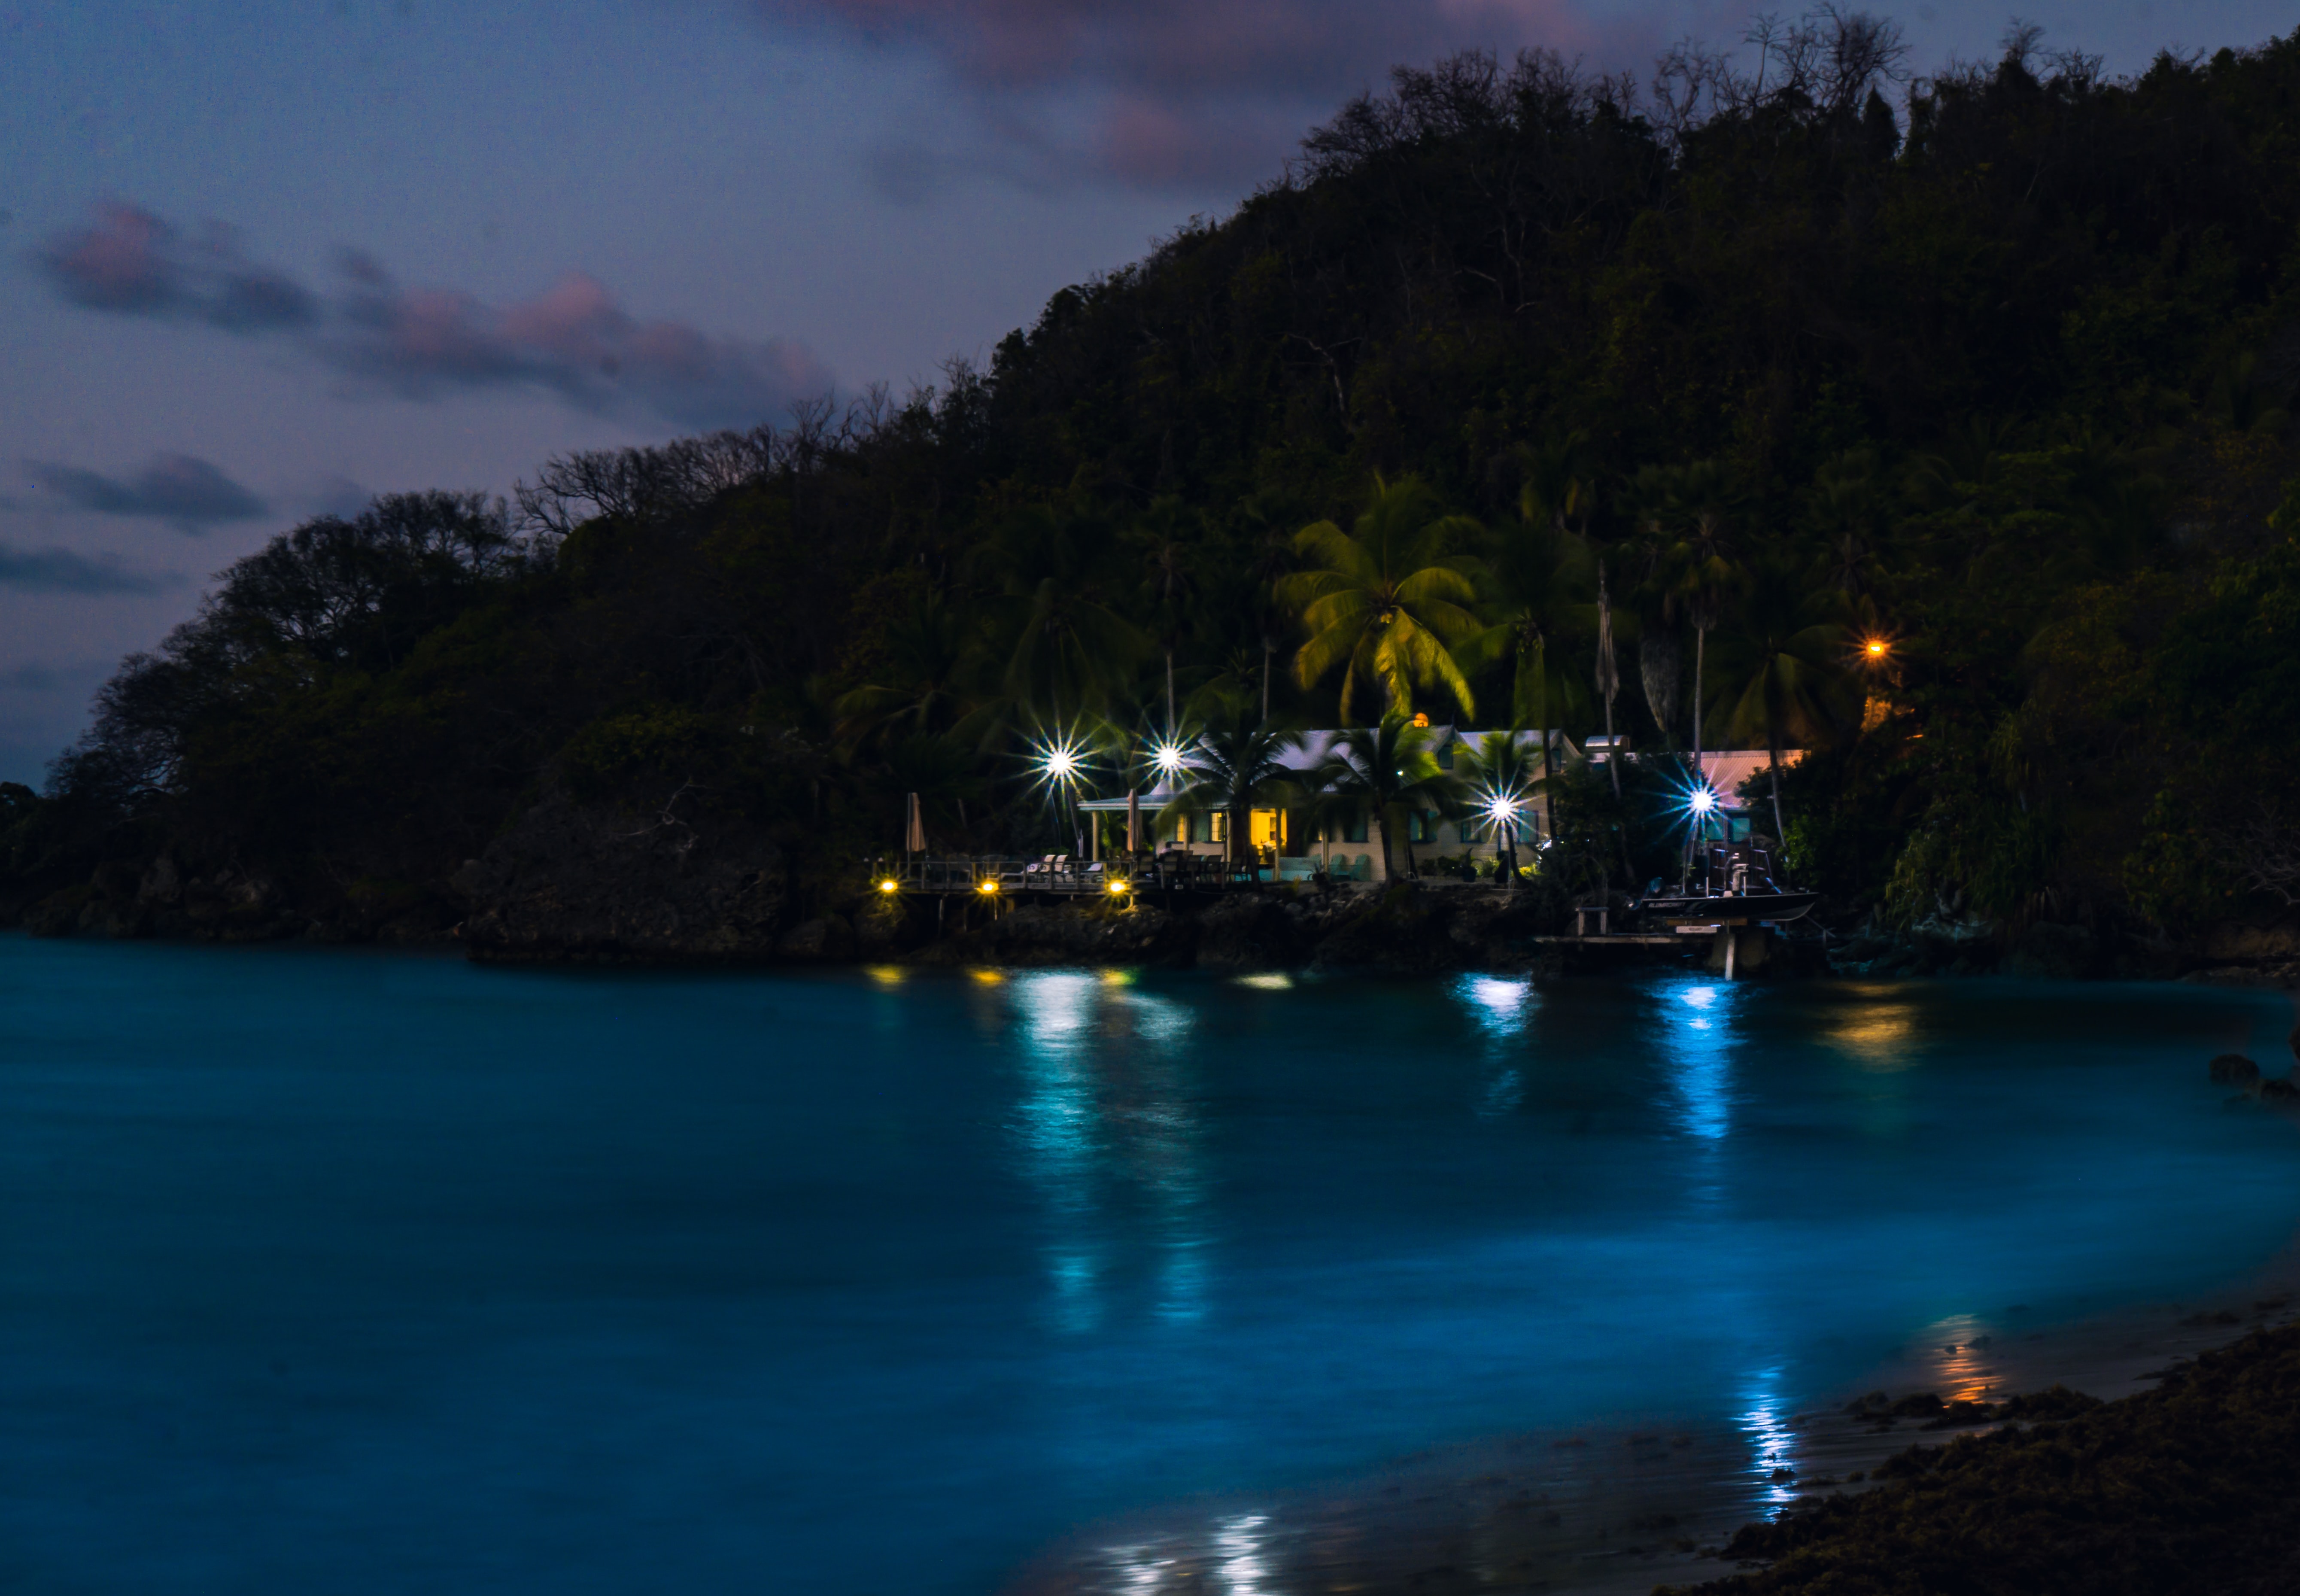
[
  {"x": 1992, "y": 366},
  {"x": 2188, "y": 1488}
]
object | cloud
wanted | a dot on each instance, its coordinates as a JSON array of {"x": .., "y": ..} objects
[
  {"x": 1190, "y": 92},
  {"x": 60, "y": 570},
  {"x": 574, "y": 341},
  {"x": 131, "y": 263},
  {"x": 181, "y": 488}
]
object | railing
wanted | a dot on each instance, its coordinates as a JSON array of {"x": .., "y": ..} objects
[{"x": 1062, "y": 873}]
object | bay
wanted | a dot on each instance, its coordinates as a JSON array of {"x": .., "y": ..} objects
[{"x": 351, "y": 1271}]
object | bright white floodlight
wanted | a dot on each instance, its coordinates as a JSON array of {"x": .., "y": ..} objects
[{"x": 1702, "y": 800}]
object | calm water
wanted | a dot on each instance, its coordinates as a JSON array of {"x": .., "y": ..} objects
[{"x": 335, "y": 1272}]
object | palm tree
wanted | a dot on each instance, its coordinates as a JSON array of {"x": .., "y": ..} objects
[
  {"x": 924, "y": 680},
  {"x": 1661, "y": 657},
  {"x": 1236, "y": 764},
  {"x": 1166, "y": 538},
  {"x": 1782, "y": 657},
  {"x": 1536, "y": 578},
  {"x": 1701, "y": 504},
  {"x": 1608, "y": 672},
  {"x": 1387, "y": 772},
  {"x": 1069, "y": 646},
  {"x": 1842, "y": 508},
  {"x": 1386, "y": 600},
  {"x": 1503, "y": 768},
  {"x": 1271, "y": 555}
]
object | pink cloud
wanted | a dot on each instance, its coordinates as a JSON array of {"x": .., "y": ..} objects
[
  {"x": 130, "y": 261},
  {"x": 1166, "y": 91},
  {"x": 573, "y": 340}
]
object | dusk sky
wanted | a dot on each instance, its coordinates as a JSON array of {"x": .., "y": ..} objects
[{"x": 259, "y": 261}]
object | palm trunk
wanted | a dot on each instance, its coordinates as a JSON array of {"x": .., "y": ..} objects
[
  {"x": 1780, "y": 827},
  {"x": 1613, "y": 753},
  {"x": 1700, "y": 658},
  {"x": 1169, "y": 692},
  {"x": 1700, "y": 777},
  {"x": 1541, "y": 691},
  {"x": 1388, "y": 867},
  {"x": 1266, "y": 652}
]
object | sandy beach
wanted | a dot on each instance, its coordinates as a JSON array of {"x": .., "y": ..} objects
[{"x": 1618, "y": 1508}]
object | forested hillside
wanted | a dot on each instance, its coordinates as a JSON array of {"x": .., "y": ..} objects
[{"x": 1992, "y": 367}]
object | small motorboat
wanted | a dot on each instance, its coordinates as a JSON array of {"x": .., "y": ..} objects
[{"x": 1735, "y": 879}]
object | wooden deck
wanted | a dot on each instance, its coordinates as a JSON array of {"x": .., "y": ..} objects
[{"x": 1056, "y": 876}]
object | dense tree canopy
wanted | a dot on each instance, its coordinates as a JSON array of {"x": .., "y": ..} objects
[{"x": 1993, "y": 367}]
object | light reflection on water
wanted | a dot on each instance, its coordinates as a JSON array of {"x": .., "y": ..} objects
[
  {"x": 1880, "y": 1035},
  {"x": 887, "y": 1280},
  {"x": 1698, "y": 1038},
  {"x": 1772, "y": 1445},
  {"x": 1106, "y": 1122},
  {"x": 1960, "y": 1367},
  {"x": 1501, "y": 1010}
]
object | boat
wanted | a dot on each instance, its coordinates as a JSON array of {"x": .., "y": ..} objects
[{"x": 1735, "y": 880}]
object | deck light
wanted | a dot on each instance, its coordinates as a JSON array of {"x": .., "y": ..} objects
[
  {"x": 1122, "y": 887},
  {"x": 989, "y": 886},
  {"x": 890, "y": 886},
  {"x": 1876, "y": 648}
]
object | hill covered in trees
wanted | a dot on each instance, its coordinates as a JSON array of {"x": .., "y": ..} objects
[{"x": 1992, "y": 366}]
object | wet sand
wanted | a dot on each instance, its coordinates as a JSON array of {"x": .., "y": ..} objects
[{"x": 1617, "y": 1509}]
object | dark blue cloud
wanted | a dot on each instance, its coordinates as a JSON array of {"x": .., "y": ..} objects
[
  {"x": 183, "y": 490},
  {"x": 60, "y": 570},
  {"x": 131, "y": 263},
  {"x": 574, "y": 340}
]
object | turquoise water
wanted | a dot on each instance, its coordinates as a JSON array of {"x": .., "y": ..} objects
[{"x": 340, "y": 1272}]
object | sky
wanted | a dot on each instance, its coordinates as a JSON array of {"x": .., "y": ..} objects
[{"x": 259, "y": 262}]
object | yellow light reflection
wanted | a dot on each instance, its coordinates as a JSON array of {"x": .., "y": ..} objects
[
  {"x": 1878, "y": 1037},
  {"x": 888, "y": 975},
  {"x": 1956, "y": 1349},
  {"x": 989, "y": 977},
  {"x": 1270, "y": 981}
]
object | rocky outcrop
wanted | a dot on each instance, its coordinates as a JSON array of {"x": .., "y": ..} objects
[
  {"x": 162, "y": 898},
  {"x": 591, "y": 883},
  {"x": 2230, "y": 955}
]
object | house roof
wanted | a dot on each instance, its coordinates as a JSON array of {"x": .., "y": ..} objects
[{"x": 1727, "y": 770}]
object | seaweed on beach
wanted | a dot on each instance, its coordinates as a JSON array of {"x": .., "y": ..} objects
[{"x": 2188, "y": 1488}]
